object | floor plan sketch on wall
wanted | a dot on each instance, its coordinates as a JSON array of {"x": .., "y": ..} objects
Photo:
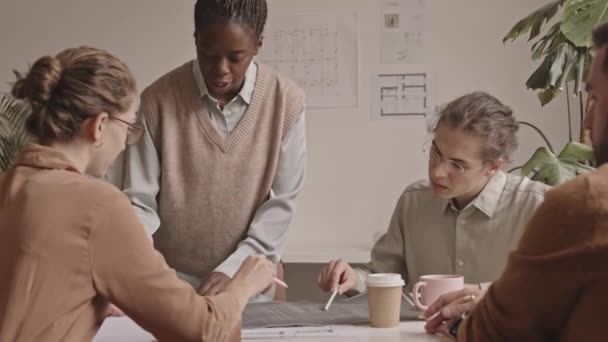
[
  {"x": 319, "y": 52},
  {"x": 403, "y": 31},
  {"x": 400, "y": 94}
]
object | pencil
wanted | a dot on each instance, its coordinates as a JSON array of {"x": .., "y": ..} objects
[
  {"x": 331, "y": 299},
  {"x": 280, "y": 282}
]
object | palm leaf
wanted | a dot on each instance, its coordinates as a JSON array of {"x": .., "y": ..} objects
[
  {"x": 15, "y": 111},
  {"x": 8, "y": 151},
  {"x": 13, "y": 136}
]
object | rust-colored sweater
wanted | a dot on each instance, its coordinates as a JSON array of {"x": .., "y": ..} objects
[
  {"x": 70, "y": 243},
  {"x": 555, "y": 285}
]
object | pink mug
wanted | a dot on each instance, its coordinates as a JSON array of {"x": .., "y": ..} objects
[{"x": 431, "y": 286}]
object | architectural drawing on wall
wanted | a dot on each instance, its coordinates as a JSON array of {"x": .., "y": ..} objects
[
  {"x": 400, "y": 95},
  {"x": 319, "y": 52},
  {"x": 403, "y": 31}
]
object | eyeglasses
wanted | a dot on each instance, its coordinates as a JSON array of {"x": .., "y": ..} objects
[
  {"x": 435, "y": 158},
  {"x": 134, "y": 132}
]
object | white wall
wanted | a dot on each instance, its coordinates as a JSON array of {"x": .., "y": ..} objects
[{"x": 357, "y": 166}]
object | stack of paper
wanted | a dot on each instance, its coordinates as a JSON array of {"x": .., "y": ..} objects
[{"x": 345, "y": 311}]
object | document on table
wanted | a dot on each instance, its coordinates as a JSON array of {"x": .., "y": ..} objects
[
  {"x": 344, "y": 311},
  {"x": 270, "y": 333}
]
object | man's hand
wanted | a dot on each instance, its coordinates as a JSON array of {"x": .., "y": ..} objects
[
  {"x": 442, "y": 317},
  {"x": 337, "y": 275},
  {"x": 216, "y": 283}
]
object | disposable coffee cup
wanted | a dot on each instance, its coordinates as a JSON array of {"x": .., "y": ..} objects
[{"x": 384, "y": 299}]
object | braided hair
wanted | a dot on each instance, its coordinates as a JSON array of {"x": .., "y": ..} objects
[{"x": 253, "y": 13}]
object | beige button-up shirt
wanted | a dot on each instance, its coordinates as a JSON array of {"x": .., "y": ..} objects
[{"x": 428, "y": 235}]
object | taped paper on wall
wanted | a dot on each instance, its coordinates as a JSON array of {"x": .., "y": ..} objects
[
  {"x": 319, "y": 52},
  {"x": 403, "y": 32},
  {"x": 401, "y": 95}
]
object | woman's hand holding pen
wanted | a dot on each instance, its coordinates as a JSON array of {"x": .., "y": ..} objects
[{"x": 254, "y": 276}]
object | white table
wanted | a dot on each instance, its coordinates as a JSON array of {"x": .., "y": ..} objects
[{"x": 125, "y": 330}]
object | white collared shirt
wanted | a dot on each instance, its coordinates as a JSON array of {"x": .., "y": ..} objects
[{"x": 225, "y": 120}]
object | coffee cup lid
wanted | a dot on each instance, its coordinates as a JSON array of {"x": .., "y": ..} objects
[{"x": 384, "y": 280}]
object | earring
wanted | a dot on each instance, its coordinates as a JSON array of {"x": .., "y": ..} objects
[{"x": 98, "y": 144}]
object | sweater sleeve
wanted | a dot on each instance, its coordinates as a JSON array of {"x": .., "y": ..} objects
[
  {"x": 142, "y": 171},
  {"x": 129, "y": 272},
  {"x": 533, "y": 297}
]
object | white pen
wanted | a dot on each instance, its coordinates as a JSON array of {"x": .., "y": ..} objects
[
  {"x": 331, "y": 299},
  {"x": 407, "y": 299}
]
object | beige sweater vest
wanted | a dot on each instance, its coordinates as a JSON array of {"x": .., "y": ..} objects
[{"x": 211, "y": 186}]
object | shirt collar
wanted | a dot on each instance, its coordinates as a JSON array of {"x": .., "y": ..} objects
[
  {"x": 44, "y": 157},
  {"x": 246, "y": 91},
  {"x": 487, "y": 200}
]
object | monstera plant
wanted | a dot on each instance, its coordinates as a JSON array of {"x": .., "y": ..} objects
[
  {"x": 13, "y": 136},
  {"x": 544, "y": 166},
  {"x": 565, "y": 50}
]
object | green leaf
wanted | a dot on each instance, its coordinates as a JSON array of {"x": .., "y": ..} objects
[
  {"x": 547, "y": 95},
  {"x": 567, "y": 74},
  {"x": 559, "y": 67},
  {"x": 13, "y": 136},
  {"x": 580, "y": 70},
  {"x": 534, "y": 21},
  {"x": 575, "y": 150},
  {"x": 553, "y": 37},
  {"x": 557, "y": 64},
  {"x": 579, "y": 19},
  {"x": 546, "y": 167},
  {"x": 542, "y": 165},
  {"x": 540, "y": 77},
  {"x": 550, "y": 71}
]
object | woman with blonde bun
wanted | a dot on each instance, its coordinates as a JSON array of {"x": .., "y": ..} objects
[{"x": 69, "y": 243}]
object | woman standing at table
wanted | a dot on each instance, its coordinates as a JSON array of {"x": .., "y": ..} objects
[
  {"x": 218, "y": 170},
  {"x": 70, "y": 243}
]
